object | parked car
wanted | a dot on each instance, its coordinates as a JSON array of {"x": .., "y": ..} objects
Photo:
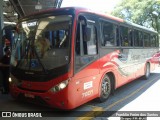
[{"x": 156, "y": 58}]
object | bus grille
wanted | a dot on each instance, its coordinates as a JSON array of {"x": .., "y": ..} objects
[
  {"x": 39, "y": 91},
  {"x": 36, "y": 100}
]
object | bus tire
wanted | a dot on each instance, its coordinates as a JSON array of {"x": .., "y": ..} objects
[
  {"x": 105, "y": 89},
  {"x": 147, "y": 71}
]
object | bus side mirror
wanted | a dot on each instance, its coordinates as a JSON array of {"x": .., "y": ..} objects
[{"x": 87, "y": 34}]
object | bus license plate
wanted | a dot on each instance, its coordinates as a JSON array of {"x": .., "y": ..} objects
[{"x": 29, "y": 95}]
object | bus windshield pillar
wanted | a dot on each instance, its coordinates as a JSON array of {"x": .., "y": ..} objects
[{"x": 81, "y": 40}]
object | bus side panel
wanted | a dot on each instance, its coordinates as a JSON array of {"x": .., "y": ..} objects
[
  {"x": 128, "y": 64},
  {"x": 122, "y": 67},
  {"x": 84, "y": 84},
  {"x": 83, "y": 90}
]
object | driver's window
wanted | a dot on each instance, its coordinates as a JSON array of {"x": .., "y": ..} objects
[
  {"x": 86, "y": 44},
  {"x": 92, "y": 41}
]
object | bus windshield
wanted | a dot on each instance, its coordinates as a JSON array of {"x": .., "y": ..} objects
[{"x": 42, "y": 44}]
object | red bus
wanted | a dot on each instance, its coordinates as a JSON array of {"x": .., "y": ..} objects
[{"x": 66, "y": 57}]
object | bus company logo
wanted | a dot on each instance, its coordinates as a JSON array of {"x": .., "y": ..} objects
[{"x": 6, "y": 114}]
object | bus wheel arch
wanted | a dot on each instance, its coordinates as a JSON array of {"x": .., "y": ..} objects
[
  {"x": 107, "y": 86},
  {"x": 113, "y": 81}
]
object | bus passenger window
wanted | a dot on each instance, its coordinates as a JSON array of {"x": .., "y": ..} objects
[
  {"x": 108, "y": 34},
  {"x": 157, "y": 41},
  {"x": 88, "y": 46},
  {"x": 125, "y": 36},
  {"x": 117, "y": 36},
  {"x": 153, "y": 41},
  {"x": 136, "y": 38},
  {"x": 140, "y": 36},
  {"x": 91, "y": 43},
  {"x": 130, "y": 37},
  {"x": 146, "y": 40}
]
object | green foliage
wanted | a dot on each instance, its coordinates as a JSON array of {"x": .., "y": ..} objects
[{"x": 140, "y": 12}]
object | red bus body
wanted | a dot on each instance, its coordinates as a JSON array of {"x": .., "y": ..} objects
[{"x": 85, "y": 84}]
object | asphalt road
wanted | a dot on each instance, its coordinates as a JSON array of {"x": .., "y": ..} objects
[{"x": 139, "y": 95}]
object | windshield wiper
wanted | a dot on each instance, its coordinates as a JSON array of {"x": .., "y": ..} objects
[
  {"x": 39, "y": 59},
  {"x": 30, "y": 48}
]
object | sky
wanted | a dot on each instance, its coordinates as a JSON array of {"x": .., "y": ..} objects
[{"x": 96, "y": 5}]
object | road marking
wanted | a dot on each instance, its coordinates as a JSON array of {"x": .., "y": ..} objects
[{"x": 96, "y": 111}]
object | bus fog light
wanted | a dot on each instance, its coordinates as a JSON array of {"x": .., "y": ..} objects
[{"x": 59, "y": 86}]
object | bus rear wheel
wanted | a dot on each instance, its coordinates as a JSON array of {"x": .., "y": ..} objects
[
  {"x": 147, "y": 72},
  {"x": 105, "y": 89}
]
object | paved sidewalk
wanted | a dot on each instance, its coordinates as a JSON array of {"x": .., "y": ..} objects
[{"x": 148, "y": 101}]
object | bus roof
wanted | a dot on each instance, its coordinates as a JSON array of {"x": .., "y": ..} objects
[
  {"x": 139, "y": 26},
  {"x": 86, "y": 10}
]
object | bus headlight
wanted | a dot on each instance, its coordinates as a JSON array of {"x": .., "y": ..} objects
[
  {"x": 14, "y": 80},
  {"x": 10, "y": 80},
  {"x": 60, "y": 86}
]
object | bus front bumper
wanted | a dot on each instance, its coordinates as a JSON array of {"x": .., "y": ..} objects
[{"x": 48, "y": 98}]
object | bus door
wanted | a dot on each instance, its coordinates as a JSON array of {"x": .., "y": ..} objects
[{"x": 86, "y": 65}]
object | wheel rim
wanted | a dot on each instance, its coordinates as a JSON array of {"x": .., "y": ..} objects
[
  {"x": 106, "y": 87},
  {"x": 147, "y": 70}
]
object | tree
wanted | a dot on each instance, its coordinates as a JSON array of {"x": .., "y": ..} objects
[{"x": 142, "y": 12}]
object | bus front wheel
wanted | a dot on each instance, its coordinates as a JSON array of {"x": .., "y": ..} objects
[{"x": 105, "y": 89}]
